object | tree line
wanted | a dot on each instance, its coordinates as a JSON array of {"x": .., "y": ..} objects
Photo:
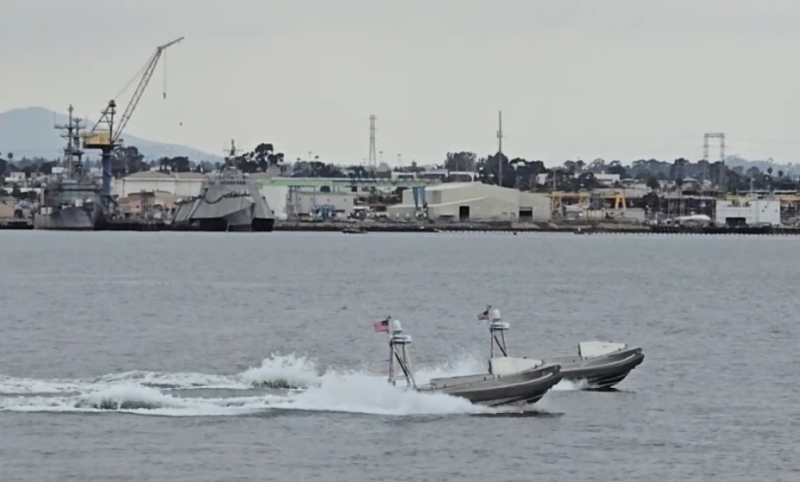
[
  {"x": 128, "y": 160},
  {"x": 578, "y": 175},
  {"x": 517, "y": 173}
]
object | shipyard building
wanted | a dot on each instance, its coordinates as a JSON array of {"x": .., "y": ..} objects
[
  {"x": 751, "y": 212},
  {"x": 473, "y": 201},
  {"x": 181, "y": 184}
]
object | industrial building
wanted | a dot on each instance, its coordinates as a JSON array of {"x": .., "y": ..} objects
[
  {"x": 748, "y": 211},
  {"x": 476, "y": 201},
  {"x": 326, "y": 204},
  {"x": 7, "y": 209},
  {"x": 181, "y": 184},
  {"x": 143, "y": 203}
]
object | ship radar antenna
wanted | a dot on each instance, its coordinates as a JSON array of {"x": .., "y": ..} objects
[
  {"x": 497, "y": 329},
  {"x": 399, "y": 358}
]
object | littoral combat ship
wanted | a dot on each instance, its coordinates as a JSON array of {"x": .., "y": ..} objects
[
  {"x": 71, "y": 200},
  {"x": 228, "y": 201}
]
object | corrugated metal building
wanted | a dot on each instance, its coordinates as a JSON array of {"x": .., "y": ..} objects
[
  {"x": 476, "y": 201},
  {"x": 750, "y": 211},
  {"x": 306, "y": 201},
  {"x": 181, "y": 184}
]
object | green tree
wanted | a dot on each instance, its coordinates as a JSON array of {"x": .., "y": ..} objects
[
  {"x": 128, "y": 160},
  {"x": 461, "y": 161}
]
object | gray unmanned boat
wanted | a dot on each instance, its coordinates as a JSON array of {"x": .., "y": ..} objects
[
  {"x": 599, "y": 364},
  {"x": 228, "y": 201},
  {"x": 509, "y": 381}
]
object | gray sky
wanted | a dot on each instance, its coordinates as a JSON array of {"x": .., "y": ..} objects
[{"x": 618, "y": 79}]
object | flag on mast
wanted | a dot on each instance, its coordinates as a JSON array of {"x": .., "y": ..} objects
[
  {"x": 381, "y": 326},
  {"x": 485, "y": 315}
]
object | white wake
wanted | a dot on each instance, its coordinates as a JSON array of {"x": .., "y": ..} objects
[
  {"x": 278, "y": 371},
  {"x": 165, "y": 394}
]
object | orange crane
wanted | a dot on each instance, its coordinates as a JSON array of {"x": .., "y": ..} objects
[{"x": 105, "y": 135}]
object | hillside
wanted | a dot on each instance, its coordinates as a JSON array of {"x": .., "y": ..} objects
[
  {"x": 789, "y": 168},
  {"x": 29, "y": 133}
]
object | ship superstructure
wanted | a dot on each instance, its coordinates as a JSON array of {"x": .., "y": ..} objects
[
  {"x": 228, "y": 201},
  {"x": 71, "y": 200}
]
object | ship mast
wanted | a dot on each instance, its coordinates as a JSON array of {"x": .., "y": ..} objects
[
  {"x": 72, "y": 153},
  {"x": 230, "y": 159}
]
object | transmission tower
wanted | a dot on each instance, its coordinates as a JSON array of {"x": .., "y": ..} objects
[
  {"x": 372, "y": 163},
  {"x": 722, "y": 184}
]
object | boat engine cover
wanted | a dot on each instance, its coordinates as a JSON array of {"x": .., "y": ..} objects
[
  {"x": 509, "y": 365},
  {"x": 591, "y": 349}
]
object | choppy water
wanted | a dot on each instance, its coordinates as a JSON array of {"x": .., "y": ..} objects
[{"x": 167, "y": 356}]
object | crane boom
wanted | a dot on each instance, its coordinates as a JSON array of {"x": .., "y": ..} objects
[
  {"x": 137, "y": 94},
  {"x": 108, "y": 138}
]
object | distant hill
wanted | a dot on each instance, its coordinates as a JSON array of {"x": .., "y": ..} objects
[
  {"x": 29, "y": 133},
  {"x": 790, "y": 168}
]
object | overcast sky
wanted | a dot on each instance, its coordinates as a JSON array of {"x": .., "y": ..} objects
[{"x": 617, "y": 79}]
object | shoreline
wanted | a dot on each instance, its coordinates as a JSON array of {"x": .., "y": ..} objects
[
  {"x": 432, "y": 228},
  {"x": 531, "y": 228}
]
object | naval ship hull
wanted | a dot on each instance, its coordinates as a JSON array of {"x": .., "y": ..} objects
[
  {"x": 229, "y": 223},
  {"x": 233, "y": 214},
  {"x": 71, "y": 219}
]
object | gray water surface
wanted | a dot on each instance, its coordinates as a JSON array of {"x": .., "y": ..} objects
[{"x": 165, "y": 357}]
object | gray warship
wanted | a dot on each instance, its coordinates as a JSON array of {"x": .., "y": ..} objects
[
  {"x": 71, "y": 200},
  {"x": 228, "y": 201}
]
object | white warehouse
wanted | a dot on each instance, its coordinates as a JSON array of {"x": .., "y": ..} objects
[
  {"x": 306, "y": 201},
  {"x": 181, "y": 184},
  {"x": 462, "y": 201},
  {"x": 750, "y": 211}
]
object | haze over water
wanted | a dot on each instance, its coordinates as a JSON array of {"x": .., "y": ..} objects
[{"x": 243, "y": 357}]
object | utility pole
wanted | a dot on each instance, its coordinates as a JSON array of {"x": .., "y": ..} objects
[
  {"x": 372, "y": 164},
  {"x": 500, "y": 147}
]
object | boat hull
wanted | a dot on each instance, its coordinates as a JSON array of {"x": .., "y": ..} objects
[
  {"x": 232, "y": 223},
  {"x": 221, "y": 225},
  {"x": 600, "y": 372},
  {"x": 526, "y": 387},
  {"x": 236, "y": 213},
  {"x": 71, "y": 219}
]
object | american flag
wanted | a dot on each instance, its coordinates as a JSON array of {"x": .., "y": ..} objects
[
  {"x": 484, "y": 316},
  {"x": 381, "y": 326}
]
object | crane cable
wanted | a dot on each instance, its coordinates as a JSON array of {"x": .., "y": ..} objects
[
  {"x": 138, "y": 76},
  {"x": 165, "y": 74}
]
